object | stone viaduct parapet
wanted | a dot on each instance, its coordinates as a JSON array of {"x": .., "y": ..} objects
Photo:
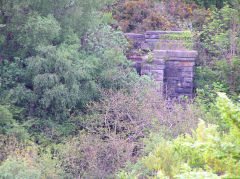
[{"x": 166, "y": 56}]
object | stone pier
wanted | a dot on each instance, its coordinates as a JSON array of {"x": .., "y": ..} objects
[{"x": 166, "y": 56}]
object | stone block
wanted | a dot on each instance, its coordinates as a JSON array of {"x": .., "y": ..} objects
[
  {"x": 178, "y": 71},
  {"x": 136, "y": 37},
  {"x": 188, "y": 80},
  {"x": 153, "y": 67},
  {"x": 158, "y": 61},
  {"x": 183, "y": 90},
  {"x": 180, "y": 53},
  {"x": 187, "y": 74},
  {"x": 179, "y": 64},
  {"x": 190, "y": 59},
  {"x": 170, "y": 72},
  {"x": 174, "y": 79},
  {"x": 152, "y": 40},
  {"x": 158, "y": 71},
  {"x": 186, "y": 68},
  {"x": 187, "y": 84},
  {"x": 176, "y": 53}
]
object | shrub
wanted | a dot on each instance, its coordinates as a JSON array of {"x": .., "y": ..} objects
[
  {"x": 133, "y": 114},
  {"x": 23, "y": 159},
  {"x": 206, "y": 153},
  {"x": 13, "y": 168},
  {"x": 115, "y": 127},
  {"x": 142, "y": 15},
  {"x": 219, "y": 48},
  {"x": 129, "y": 115},
  {"x": 88, "y": 156}
]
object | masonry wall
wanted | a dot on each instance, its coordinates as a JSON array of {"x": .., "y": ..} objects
[{"x": 169, "y": 62}]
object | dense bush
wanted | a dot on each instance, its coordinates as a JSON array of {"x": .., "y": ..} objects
[
  {"x": 71, "y": 106},
  {"x": 24, "y": 159},
  {"x": 139, "y": 16},
  {"x": 11, "y": 168},
  {"x": 114, "y": 128},
  {"x": 219, "y": 50},
  {"x": 205, "y": 153},
  {"x": 55, "y": 57}
]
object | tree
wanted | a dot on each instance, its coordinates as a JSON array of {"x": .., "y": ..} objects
[{"x": 220, "y": 38}]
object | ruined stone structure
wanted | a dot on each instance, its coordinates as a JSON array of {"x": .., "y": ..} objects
[{"x": 167, "y": 57}]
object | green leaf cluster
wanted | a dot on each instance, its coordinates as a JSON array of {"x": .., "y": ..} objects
[
  {"x": 207, "y": 153},
  {"x": 56, "y": 56}
]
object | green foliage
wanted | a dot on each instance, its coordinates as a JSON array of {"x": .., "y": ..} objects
[
  {"x": 185, "y": 36},
  {"x": 56, "y": 56},
  {"x": 230, "y": 112},
  {"x": 13, "y": 168},
  {"x": 104, "y": 38},
  {"x": 198, "y": 175},
  {"x": 206, "y": 98},
  {"x": 220, "y": 39},
  {"x": 38, "y": 31},
  {"x": 88, "y": 156},
  {"x": 12, "y": 73},
  {"x": 23, "y": 159},
  {"x": 150, "y": 58},
  {"x": 205, "y": 153},
  {"x": 63, "y": 69},
  {"x": 55, "y": 85},
  {"x": 6, "y": 119},
  {"x": 8, "y": 125}
]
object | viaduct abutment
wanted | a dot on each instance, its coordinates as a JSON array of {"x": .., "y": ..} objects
[{"x": 167, "y": 57}]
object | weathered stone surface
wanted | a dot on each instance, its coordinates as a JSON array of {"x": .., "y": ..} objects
[
  {"x": 187, "y": 74},
  {"x": 152, "y": 67},
  {"x": 176, "y": 53},
  {"x": 152, "y": 40},
  {"x": 170, "y": 63},
  {"x": 171, "y": 72},
  {"x": 184, "y": 90},
  {"x": 158, "y": 61},
  {"x": 187, "y": 84},
  {"x": 181, "y": 59},
  {"x": 180, "y": 64},
  {"x": 136, "y": 37}
]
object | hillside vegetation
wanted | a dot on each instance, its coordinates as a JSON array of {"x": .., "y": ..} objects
[{"x": 71, "y": 106}]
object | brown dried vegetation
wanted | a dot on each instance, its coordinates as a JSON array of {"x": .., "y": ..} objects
[{"x": 142, "y": 15}]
